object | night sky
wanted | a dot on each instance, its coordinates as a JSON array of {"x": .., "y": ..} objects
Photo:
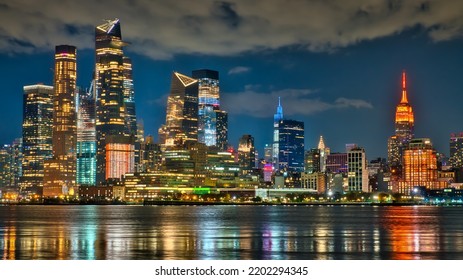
[{"x": 336, "y": 65}]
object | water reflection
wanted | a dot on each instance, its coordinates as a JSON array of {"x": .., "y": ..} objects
[{"x": 230, "y": 232}]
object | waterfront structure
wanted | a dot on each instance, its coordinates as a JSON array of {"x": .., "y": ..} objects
[
  {"x": 312, "y": 161},
  {"x": 37, "y": 136},
  {"x": 277, "y": 117},
  {"x": 212, "y": 121},
  {"x": 291, "y": 145},
  {"x": 60, "y": 170},
  {"x": 112, "y": 127},
  {"x": 86, "y": 139},
  {"x": 419, "y": 168},
  {"x": 456, "y": 150},
  {"x": 182, "y": 112},
  {"x": 246, "y": 154},
  {"x": 404, "y": 128},
  {"x": 357, "y": 171}
]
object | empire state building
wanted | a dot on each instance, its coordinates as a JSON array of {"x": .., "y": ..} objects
[{"x": 404, "y": 126}]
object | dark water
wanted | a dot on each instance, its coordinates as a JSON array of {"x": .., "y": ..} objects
[{"x": 230, "y": 232}]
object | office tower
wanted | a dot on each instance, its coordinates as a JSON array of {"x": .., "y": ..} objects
[
  {"x": 276, "y": 122},
  {"x": 182, "y": 112},
  {"x": 268, "y": 153},
  {"x": 129, "y": 97},
  {"x": 37, "y": 136},
  {"x": 404, "y": 126},
  {"x": 357, "y": 172},
  {"x": 60, "y": 171},
  {"x": 324, "y": 152},
  {"x": 86, "y": 138},
  {"x": 115, "y": 144},
  {"x": 291, "y": 145},
  {"x": 5, "y": 166},
  {"x": 336, "y": 163},
  {"x": 456, "y": 150},
  {"x": 246, "y": 154},
  {"x": 212, "y": 121},
  {"x": 419, "y": 167},
  {"x": 150, "y": 156},
  {"x": 312, "y": 162}
]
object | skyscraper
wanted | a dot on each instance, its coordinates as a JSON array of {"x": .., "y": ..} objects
[
  {"x": 357, "y": 172},
  {"x": 115, "y": 144},
  {"x": 276, "y": 122},
  {"x": 456, "y": 150},
  {"x": 419, "y": 167},
  {"x": 60, "y": 171},
  {"x": 86, "y": 138},
  {"x": 212, "y": 121},
  {"x": 291, "y": 145},
  {"x": 246, "y": 154},
  {"x": 324, "y": 152},
  {"x": 404, "y": 126},
  {"x": 37, "y": 135},
  {"x": 182, "y": 112},
  {"x": 129, "y": 97}
]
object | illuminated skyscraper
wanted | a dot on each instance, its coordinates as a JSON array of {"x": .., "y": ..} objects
[
  {"x": 212, "y": 122},
  {"x": 115, "y": 144},
  {"x": 182, "y": 112},
  {"x": 324, "y": 152},
  {"x": 419, "y": 167},
  {"x": 312, "y": 161},
  {"x": 276, "y": 122},
  {"x": 404, "y": 126},
  {"x": 60, "y": 171},
  {"x": 37, "y": 135},
  {"x": 246, "y": 154},
  {"x": 129, "y": 97},
  {"x": 357, "y": 172},
  {"x": 86, "y": 138},
  {"x": 456, "y": 150},
  {"x": 291, "y": 145}
]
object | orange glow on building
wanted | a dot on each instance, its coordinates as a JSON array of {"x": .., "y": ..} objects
[
  {"x": 404, "y": 112},
  {"x": 119, "y": 160}
]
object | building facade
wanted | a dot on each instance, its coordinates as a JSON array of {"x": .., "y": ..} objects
[
  {"x": 60, "y": 170},
  {"x": 456, "y": 150},
  {"x": 357, "y": 171},
  {"x": 246, "y": 154},
  {"x": 37, "y": 135},
  {"x": 291, "y": 145}
]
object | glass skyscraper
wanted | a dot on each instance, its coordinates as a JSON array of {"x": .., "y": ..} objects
[
  {"x": 86, "y": 138},
  {"x": 60, "y": 171},
  {"x": 115, "y": 148},
  {"x": 37, "y": 135},
  {"x": 276, "y": 122},
  {"x": 182, "y": 112},
  {"x": 212, "y": 121},
  {"x": 291, "y": 145}
]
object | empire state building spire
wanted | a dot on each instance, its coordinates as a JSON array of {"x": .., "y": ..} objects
[{"x": 404, "y": 88}]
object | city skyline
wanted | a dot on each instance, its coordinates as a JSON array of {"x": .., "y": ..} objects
[{"x": 353, "y": 81}]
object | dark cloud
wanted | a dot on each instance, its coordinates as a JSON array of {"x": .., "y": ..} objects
[
  {"x": 298, "y": 101},
  {"x": 161, "y": 29}
]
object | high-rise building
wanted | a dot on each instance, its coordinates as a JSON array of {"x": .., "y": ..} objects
[
  {"x": 324, "y": 152},
  {"x": 37, "y": 135},
  {"x": 404, "y": 126},
  {"x": 115, "y": 143},
  {"x": 419, "y": 167},
  {"x": 212, "y": 122},
  {"x": 86, "y": 138},
  {"x": 129, "y": 97},
  {"x": 291, "y": 145},
  {"x": 246, "y": 154},
  {"x": 268, "y": 153},
  {"x": 456, "y": 150},
  {"x": 357, "y": 172},
  {"x": 5, "y": 166},
  {"x": 276, "y": 122},
  {"x": 182, "y": 112},
  {"x": 60, "y": 171},
  {"x": 336, "y": 163},
  {"x": 312, "y": 162}
]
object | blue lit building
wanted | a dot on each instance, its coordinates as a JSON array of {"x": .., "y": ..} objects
[
  {"x": 86, "y": 139},
  {"x": 291, "y": 145}
]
